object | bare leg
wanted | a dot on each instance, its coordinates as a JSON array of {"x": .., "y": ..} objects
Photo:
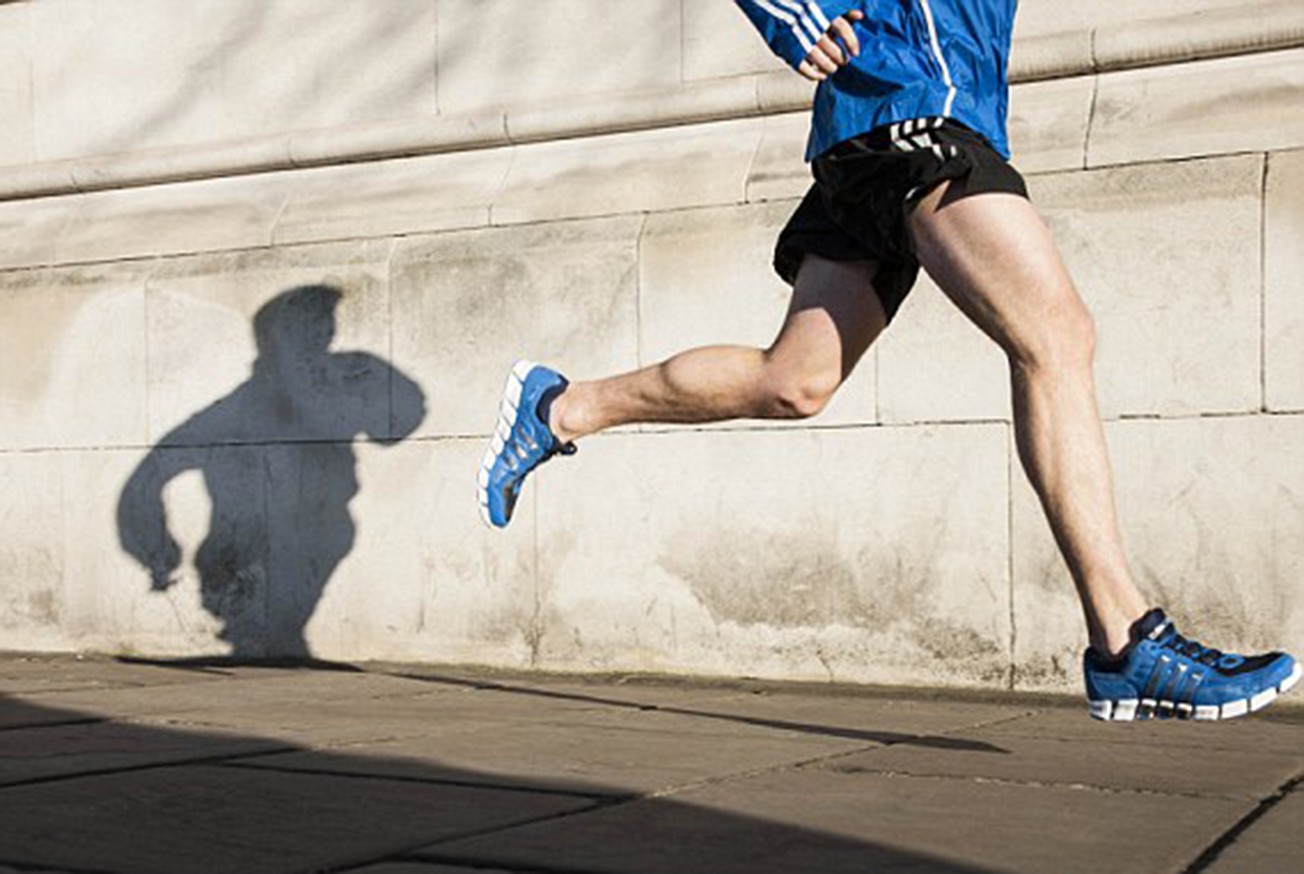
[
  {"x": 833, "y": 318},
  {"x": 994, "y": 257}
]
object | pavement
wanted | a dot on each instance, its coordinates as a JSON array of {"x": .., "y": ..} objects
[{"x": 128, "y": 766}]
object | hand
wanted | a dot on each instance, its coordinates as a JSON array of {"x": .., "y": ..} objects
[
  {"x": 828, "y": 56},
  {"x": 163, "y": 566}
]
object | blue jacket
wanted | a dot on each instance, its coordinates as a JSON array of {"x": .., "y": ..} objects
[{"x": 918, "y": 58}]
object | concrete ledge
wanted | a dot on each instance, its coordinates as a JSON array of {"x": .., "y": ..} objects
[{"x": 1248, "y": 29}]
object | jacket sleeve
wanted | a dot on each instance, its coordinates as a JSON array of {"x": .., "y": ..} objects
[{"x": 791, "y": 27}]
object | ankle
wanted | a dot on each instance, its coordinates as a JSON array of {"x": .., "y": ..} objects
[
  {"x": 1111, "y": 637},
  {"x": 563, "y": 416}
]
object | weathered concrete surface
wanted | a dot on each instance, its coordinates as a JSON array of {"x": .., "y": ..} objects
[
  {"x": 1149, "y": 250},
  {"x": 1210, "y": 513},
  {"x": 706, "y": 278},
  {"x": 1283, "y": 304},
  {"x": 465, "y": 303},
  {"x": 496, "y": 772},
  {"x": 843, "y": 561},
  {"x": 72, "y": 355},
  {"x": 1203, "y": 108}
]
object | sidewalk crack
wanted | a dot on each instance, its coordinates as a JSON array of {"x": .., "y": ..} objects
[{"x": 1229, "y": 837}]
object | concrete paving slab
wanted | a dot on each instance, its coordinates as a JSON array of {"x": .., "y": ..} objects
[
  {"x": 245, "y": 690},
  {"x": 44, "y": 752},
  {"x": 16, "y": 713},
  {"x": 855, "y": 713},
  {"x": 1262, "y": 733},
  {"x": 615, "y": 754},
  {"x": 597, "y": 691},
  {"x": 348, "y": 722},
  {"x": 1271, "y": 843},
  {"x": 819, "y": 712},
  {"x": 1243, "y": 773},
  {"x": 812, "y": 820},
  {"x": 215, "y": 819},
  {"x": 66, "y": 673}
]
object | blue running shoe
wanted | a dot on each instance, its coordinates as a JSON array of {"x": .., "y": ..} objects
[
  {"x": 522, "y": 440},
  {"x": 1164, "y": 675}
]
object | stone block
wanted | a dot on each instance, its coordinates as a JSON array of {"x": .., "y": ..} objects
[
  {"x": 1210, "y": 508},
  {"x": 859, "y": 555},
  {"x": 1237, "y": 104},
  {"x": 174, "y": 219},
  {"x": 568, "y": 50},
  {"x": 1048, "y": 124},
  {"x": 706, "y": 277},
  {"x": 1208, "y": 31},
  {"x": 230, "y": 70},
  {"x": 16, "y": 135},
  {"x": 389, "y": 198},
  {"x": 1051, "y": 56},
  {"x": 72, "y": 357},
  {"x": 779, "y": 171},
  {"x": 934, "y": 365},
  {"x": 426, "y": 579},
  {"x": 31, "y": 552},
  {"x": 813, "y": 820},
  {"x": 313, "y": 65},
  {"x": 1041, "y": 17},
  {"x": 241, "y": 819},
  {"x": 166, "y": 551},
  {"x": 1283, "y": 283},
  {"x": 290, "y": 344},
  {"x": 30, "y": 229},
  {"x": 719, "y": 41},
  {"x": 646, "y": 171},
  {"x": 1176, "y": 306},
  {"x": 466, "y": 304}
]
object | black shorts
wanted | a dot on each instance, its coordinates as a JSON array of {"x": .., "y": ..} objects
[{"x": 865, "y": 187}]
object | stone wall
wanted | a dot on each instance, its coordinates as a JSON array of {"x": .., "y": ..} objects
[{"x": 263, "y": 269}]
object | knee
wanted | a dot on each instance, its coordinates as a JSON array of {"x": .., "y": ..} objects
[
  {"x": 1065, "y": 338},
  {"x": 799, "y": 395}
]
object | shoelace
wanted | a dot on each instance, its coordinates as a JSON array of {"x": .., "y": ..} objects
[{"x": 1192, "y": 649}]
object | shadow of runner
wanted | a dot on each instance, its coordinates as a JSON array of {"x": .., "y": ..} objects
[
  {"x": 278, "y": 463},
  {"x": 866, "y": 734},
  {"x": 81, "y": 793}
]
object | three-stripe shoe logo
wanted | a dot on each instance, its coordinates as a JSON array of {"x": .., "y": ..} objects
[{"x": 1170, "y": 690}]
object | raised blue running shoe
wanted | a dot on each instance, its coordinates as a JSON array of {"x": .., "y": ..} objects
[
  {"x": 1164, "y": 675},
  {"x": 522, "y": 440}
]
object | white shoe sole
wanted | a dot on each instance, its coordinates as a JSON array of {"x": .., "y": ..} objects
[
  {"x": 507, "y": 414},
  {"x": 1130, "y": 709}
]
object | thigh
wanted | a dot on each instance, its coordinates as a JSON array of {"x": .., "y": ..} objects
[
  {"x": 994, "y": 256},
  {"x": 832, "y": 319}
]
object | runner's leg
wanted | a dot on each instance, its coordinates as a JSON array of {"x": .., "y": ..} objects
[
  {"x": 833, "y": 317},
  {"x": 994, "y": 257}
]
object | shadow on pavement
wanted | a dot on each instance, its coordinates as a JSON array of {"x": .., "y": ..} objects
[{"x": 81, "y": 793}]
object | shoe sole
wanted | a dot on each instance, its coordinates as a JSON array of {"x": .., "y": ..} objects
[
  {"x": 507, "y": 414},
  {"x": 1130, "y": 709}
]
